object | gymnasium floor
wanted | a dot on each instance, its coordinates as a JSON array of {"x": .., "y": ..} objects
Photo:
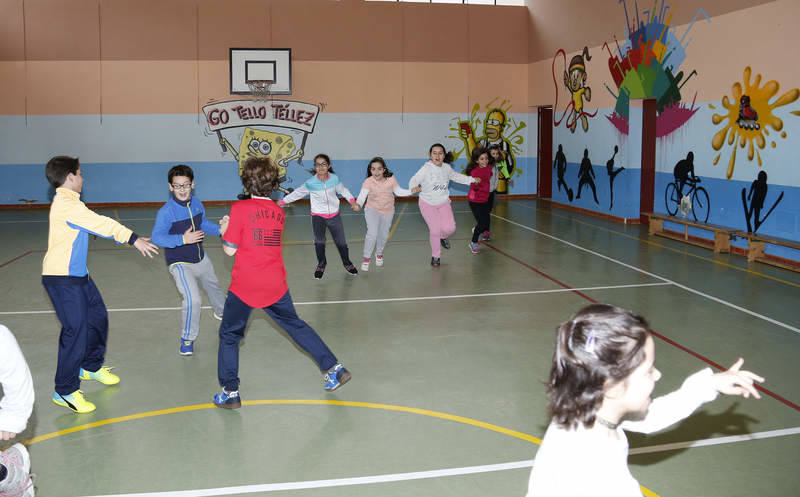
[{"x": 447, "y": 396}]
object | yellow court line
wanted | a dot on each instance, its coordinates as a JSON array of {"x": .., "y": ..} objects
[
  {"x": 116, "y": 215},
  {"x": 397, "y": 221},
  {"x": 343, "y": 403},
  {"x": 197, "y": 407},
  {"x": 683, "y": 252}
]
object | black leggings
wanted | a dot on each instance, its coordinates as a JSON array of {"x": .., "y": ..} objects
[
  {"x": 334, "y": 224},
  {"x": 481, "y": 212}
]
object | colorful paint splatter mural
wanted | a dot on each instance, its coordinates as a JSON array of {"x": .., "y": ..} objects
[
  {"x": 498, "y": 130},
  {"x": 648, "y": 66},
  {"x": 749, "y": 117}
]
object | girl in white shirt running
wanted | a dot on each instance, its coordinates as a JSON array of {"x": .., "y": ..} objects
[
  {"x": 600, "y": 384},
  {"x": 434, "y": 199}
]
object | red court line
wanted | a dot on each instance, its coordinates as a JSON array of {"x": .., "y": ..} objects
[
  {"x": 658, "y": 335},
  {"x": 29, "y": 252}
]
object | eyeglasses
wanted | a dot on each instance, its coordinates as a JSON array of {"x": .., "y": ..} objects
[
  {"x": 320, "y": 164},
  {"x": 182, "y": 188}
]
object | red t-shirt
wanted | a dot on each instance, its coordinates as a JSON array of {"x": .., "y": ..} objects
[{"x": 256, "y": 227}]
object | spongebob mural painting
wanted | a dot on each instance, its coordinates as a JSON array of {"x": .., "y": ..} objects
[
  {"x": 498, "y": 131},
  {"x": 263, "y": 129}
]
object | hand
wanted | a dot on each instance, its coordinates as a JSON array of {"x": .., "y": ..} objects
[
  {"x": 190, "y": 236},
  {"x": 416, "y": 189},
  {"x": 145, "y": 248},
  {"x": 223, "y": 224},
  {"x": 737, "y": 382},
  {"x": 355, "y": 206},
  {"x": 477, "y": 180},
  {"x": 7, "y": 435}
]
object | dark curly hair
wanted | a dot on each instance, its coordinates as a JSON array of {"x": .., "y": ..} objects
[
  {"x": 600, "y": 346},
  {"x": 476, "y": 154},
  {"x": 260, "y": 176},
  {"x": 379, "y": 160}
]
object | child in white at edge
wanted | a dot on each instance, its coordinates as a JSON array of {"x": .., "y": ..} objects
[
  {"x": 434, "y": 199},
  {"x": 584, "y": 451}
]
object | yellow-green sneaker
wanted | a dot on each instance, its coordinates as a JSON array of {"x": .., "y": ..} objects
[
  {"x": 74, "y": 402},
  {"x": 103, "y": 375}
]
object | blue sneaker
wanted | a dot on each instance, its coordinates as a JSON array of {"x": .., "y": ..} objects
[
  {"x": 228, "y": 400},
  {"x": 336, "y": 377},
  {"x": 187, "y": 347}
]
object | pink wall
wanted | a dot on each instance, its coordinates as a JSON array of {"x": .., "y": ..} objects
[{"x": 150, "y": 56}]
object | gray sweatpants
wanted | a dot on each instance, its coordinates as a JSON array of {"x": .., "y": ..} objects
[
  {"x": 187, "y": 276},
  {"x": 377, "y": 231}
]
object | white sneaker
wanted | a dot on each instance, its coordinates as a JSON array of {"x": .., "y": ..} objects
[
  {"x": 18, "y": 480},
  {"x": 365, "y": 266},
  {"x": 379, "y": 260}
]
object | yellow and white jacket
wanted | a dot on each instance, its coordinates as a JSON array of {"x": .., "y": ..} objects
[{"x": 71, "y": 223}]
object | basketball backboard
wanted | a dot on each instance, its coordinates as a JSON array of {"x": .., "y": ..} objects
[{"x": 249, "y": 64}]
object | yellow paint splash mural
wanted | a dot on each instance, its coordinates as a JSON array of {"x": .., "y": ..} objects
[{"x": 750, "y": 113}]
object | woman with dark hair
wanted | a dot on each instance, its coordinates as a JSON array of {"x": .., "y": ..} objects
[
  {"x": 324, "y": 189},
  {"x": 253, "y": 234},
  {"x": 378, "y": 192},
  {"x": 600, "y": 384}
]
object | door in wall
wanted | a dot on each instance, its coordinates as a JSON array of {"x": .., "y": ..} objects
[{"x": 544, "y": 155}]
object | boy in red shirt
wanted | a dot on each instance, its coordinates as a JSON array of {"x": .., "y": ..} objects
[{"x": 253, "y": 233}]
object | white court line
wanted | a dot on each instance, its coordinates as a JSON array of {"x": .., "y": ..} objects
[
  {"x": 438, "y": 473},
  {"x": 716, "y": 441},
  {"x": 653, "y": 275},
  {"x": 396, "y": 299}
]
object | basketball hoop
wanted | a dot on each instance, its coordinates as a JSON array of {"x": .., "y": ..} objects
[{"x": 260, "y": 88}]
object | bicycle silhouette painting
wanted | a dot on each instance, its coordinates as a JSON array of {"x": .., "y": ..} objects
[{"x": 695, "y": 199}]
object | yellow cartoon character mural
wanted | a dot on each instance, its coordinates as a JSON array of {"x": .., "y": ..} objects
[
  {"x": 493, "y": 126},
  {"x": 260, "y": 143},
  {"x": 575, "y": 81},
  {"x": 252, "y": 115}
]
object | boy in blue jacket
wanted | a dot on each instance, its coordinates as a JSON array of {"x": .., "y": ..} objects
[{"x": 180, "y": 228}]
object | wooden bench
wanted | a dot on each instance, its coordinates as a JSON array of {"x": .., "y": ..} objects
[
  {"x": 757, "y": 245},
  {"x": 722, "y": 234}
]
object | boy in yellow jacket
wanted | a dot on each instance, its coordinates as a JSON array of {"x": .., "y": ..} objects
[{"x": 77, "y": 302}]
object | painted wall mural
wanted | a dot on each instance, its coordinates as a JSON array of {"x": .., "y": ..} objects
[
  {"x": 612, "y": 173},
  {"x": 749, "y": 116},
  {"x": 259, "y": 128},
  {"x": 695, "y": 199},
  {"x": 574, "y": 78},
  {"x": 498, "y": 130},
  {"x": 648, "y": 66},
  {"x": 756, "y": 196}
]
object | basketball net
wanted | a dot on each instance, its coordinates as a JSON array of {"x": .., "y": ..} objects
[{"x": 260, "y": 89}]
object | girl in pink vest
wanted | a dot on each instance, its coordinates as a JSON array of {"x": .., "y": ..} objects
[{"x": 378, "y": 192}]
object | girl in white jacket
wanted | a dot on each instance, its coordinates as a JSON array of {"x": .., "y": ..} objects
[
  {"x": 324, "y": 188},
  {"x": 434, "y": 199},
  {"x": 600, "y": 384}
]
